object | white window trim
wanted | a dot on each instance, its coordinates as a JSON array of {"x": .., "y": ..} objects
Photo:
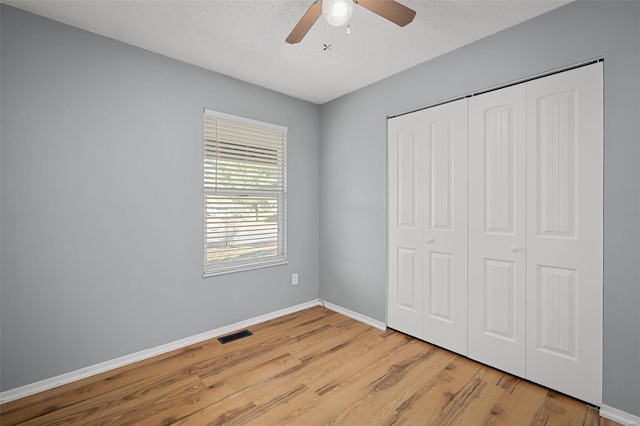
[{"x": 251, "y": 263}]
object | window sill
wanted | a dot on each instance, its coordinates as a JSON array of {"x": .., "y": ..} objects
[{"x": 248, "y": 267}]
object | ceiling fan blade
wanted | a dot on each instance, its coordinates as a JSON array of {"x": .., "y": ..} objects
[
  {"x": 306, "y": 22},
  {"x": 395, "y": 12}
]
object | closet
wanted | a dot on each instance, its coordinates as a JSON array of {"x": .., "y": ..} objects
[{"x": 495, "y": 228}]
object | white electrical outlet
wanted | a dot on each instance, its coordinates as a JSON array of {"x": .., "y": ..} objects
[{"x": 294, "y": 279}]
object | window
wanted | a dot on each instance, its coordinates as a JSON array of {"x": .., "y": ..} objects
[{"x": 245, "y": 194}]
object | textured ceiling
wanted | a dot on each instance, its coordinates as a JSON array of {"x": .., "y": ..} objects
[{"x": 244, "y": 39}]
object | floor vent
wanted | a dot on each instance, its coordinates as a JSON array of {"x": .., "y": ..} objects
[{"x": 235, "y": 336}]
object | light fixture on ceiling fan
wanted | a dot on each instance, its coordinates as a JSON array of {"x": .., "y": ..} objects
[{"x": 338, "y": 12}]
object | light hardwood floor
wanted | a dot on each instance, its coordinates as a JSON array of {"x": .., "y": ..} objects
[{"x": 310, "y": 367}]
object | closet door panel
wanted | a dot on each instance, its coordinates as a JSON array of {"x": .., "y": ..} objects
[
  {"x": 445, "y": 237},
  {"x": 564, "y": 232},
  {"x": 497, "y": 229},
  {"x": 427, "y": 176},
  {"x": 406, "y": 204}
]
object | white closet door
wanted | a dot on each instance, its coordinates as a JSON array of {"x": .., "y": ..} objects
[
  {"x": 445, "y": 238},
  {"x": 427, "y": 178},
  {"x": 564, "y": 232},
  {"x": 497, "y": 228},
  {"x": 405, "y": 147}
]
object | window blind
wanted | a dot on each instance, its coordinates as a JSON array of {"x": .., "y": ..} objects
[{"x": 245, "y": 191}]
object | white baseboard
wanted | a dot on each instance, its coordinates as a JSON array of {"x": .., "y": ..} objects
[
  {"x": 619, "y": 416},
  {"x": 356, "y": 316},
  {"x": 63, "y": 379}
]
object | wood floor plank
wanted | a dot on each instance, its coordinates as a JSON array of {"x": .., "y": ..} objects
[
  {"x": 337, "y": 395},
  {"x": 387, "y": 409},
  {"x": 448, "y": 383},
  {"x": 343, "y": 331},
  {"x": 392, "y": 389},
  {"x": 311, "y": 367},
  {"x": 478, "y": 396},
  {"x": 558, "y": 409},
  {"x": 219, "y": 368},
  {"x": 272, "y": 414},
  {"x": 353, "y": 365},
  {"x": 173, "y": 408},
  {"x": 279, "y": 406},
  {"x": 263, "y": 372},
  {"x": 83, "y": 390},
  {"x": 519, "y": 404},
  {"x": 125, "y": 398},
  {"x": 224, "y": 411}
]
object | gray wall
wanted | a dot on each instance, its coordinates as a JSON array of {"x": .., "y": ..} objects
[
  {"x": 102, "y": 200},
  {"x": 353, "y": 163}
]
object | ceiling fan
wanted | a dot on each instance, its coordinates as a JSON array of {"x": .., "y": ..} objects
[{"x": 338, "y": 12}]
